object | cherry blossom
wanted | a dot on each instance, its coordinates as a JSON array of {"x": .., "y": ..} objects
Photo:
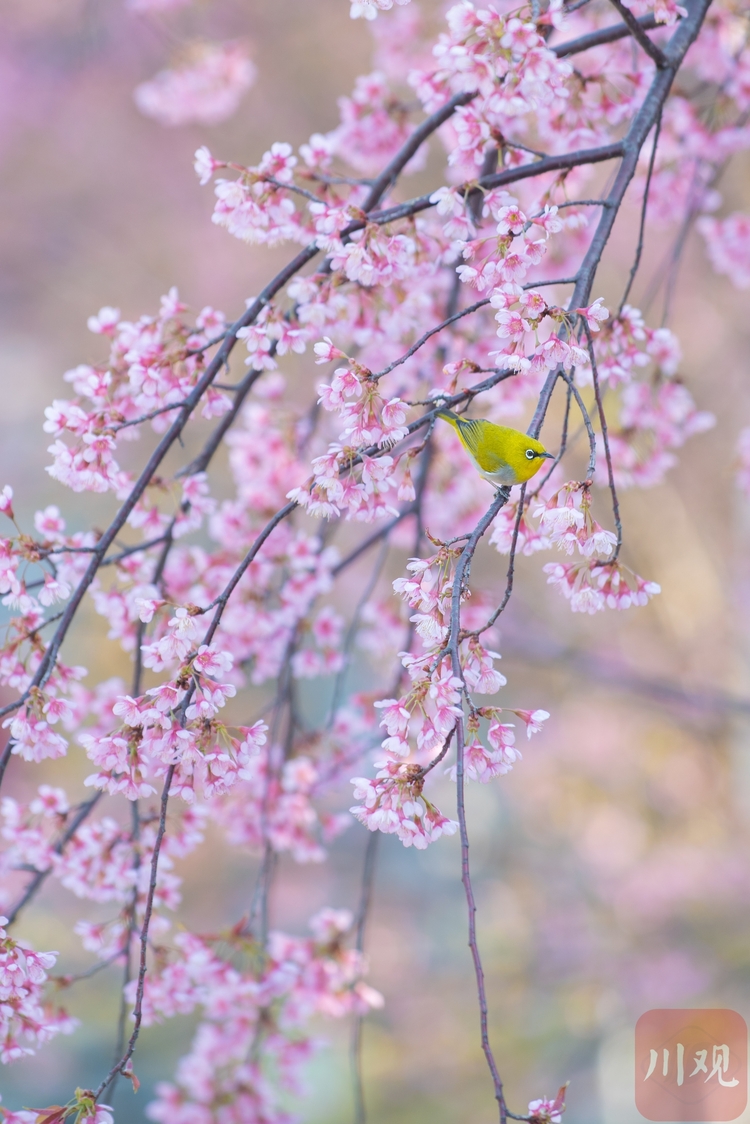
[
  {"x": 206, "y": 88},
  {"x": 25, "y": 1021},
  {"x": 728, "y": 246}
]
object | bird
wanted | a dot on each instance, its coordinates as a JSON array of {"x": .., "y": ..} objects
[{"x": 502, "y": 455}]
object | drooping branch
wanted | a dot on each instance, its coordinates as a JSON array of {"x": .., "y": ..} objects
[
  {"x": 643, "y": 122},
  {"x": 462, "y": 567},
  {"x": 637, "y": 30},
  {"x": 119, "y": 1066}
]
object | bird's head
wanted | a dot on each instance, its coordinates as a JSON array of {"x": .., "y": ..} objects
[{"x": 533, "y": 450}]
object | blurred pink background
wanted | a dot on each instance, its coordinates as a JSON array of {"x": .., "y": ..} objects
[{"x": 612, "y": 865}]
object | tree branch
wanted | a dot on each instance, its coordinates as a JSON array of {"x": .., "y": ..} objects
[
  {"x": 603, "y": 35},
  {"x": 638, "y": 32}
]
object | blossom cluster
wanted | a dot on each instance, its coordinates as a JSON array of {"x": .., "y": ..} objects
[
  {"x": 26, "y": 1021},
  {"x": 421, "y": 723},
  {"x": 253, "y": 1018},
  {"x": 206, "y": 87},
  {"x": 153, "y": 366}
]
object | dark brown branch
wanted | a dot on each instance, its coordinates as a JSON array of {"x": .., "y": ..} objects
[
  {"x": 561, "y": 162},
  {"x": 639, "y": 34},
  {"x": 643, "y": 122},
  {"x": 603, "y": 35},
  {"x": 390, "y": 173},
  {"x": 170, "y": 437}
]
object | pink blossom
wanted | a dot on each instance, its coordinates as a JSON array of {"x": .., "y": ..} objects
[
  {"x": 368, "y": 9},
  {"x": 534, "y": 720},
  {"x": 6, "y": 501},
  {"x": 208, "y": 88},
  {"x": 326, "y": 352},
  {"x": 318, "y": 151},
  {"x": 372, "y": 129},
  {"x": 50, "y": 523},
  {"x": 393, "y": 803},
  {"x": 728, "y": 246},
  {"x": 33, "y": 739},
  {"x": 545, "y": 1111},
  {"x": 105, "y": 322},
  {"x": 482, "y": 764},
  {"x": 594, "y": 314},
  {"x": 25, "y": 1021},
  {"x": 53, "y": 590}
]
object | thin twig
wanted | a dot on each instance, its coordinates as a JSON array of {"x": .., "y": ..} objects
[
  {"x": 605, "y": 441},
  {"x": 637, "y": 31},
  {"x": 365, "y": 901},
  {"x": 147, "y": 417},
  {"x": 351, "y": 632},
  {"x": 440, "y": 756},
  {"x": 459, "y": 578},
  {"x": 511, "y": 569},
  {"x": 131, "y": 928},
  {"x": 433, "y": 331},
  {"x": 642, "y": 228},
  {"x": 67, "y": 981},
  {"x": 587, "y": 423},
  {"x": 119, "y": 1066},
  {"x": 372, "y": 540},
  {"x": 558, "y": 457}
]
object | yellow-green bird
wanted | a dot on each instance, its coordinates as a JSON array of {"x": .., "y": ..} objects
[{"x": 503, "y": 456}]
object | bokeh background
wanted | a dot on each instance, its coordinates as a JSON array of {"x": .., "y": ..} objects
[{"x": 612, "y": 865}]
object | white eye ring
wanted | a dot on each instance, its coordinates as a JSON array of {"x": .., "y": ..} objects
[{"x": 530, "y": 454}]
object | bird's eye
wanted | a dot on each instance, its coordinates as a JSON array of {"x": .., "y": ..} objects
[{"x": 530, "y": 454}]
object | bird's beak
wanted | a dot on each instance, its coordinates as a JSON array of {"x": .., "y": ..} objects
[{"x": 550, "y": 456}]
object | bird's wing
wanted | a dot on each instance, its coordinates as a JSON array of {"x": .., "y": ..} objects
[
  {"x": 489, "y": 462},
  {"x": 471, "y": 433}
]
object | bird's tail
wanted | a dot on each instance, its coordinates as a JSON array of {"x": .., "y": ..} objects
[{"x": 450, "y": 417}]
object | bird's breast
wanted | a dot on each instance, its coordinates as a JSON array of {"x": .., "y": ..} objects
[{"x": 495, "y": 470}]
